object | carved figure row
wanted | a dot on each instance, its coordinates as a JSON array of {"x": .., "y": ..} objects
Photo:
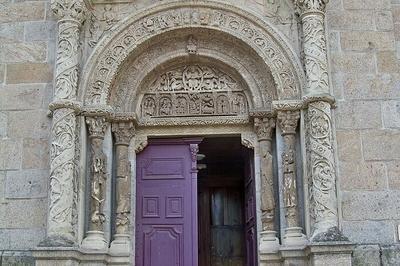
[{"x": 193, "y": 104}]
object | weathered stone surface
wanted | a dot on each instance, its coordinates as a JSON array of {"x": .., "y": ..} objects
[
  {"x": 26, "y": 184},
  {"x": 357, "y": 175},
  {"x": 28, "y": 124},
  {"x": 381, "y": 144},
  {"x": 387, "y": 62},
  {"x": 369, "y": 232},
  {"x": 371, "y": 86},
  {"x": 10, "y": 154},
  {"x": 366, "y": 4},
  {"x": 3, "y": 124},
  {"x": 31, "y": 213},
  {"x": 11, "y": 32},
  {"x": 391, "y": 114},
  {"x": 23, "y": 11},
  {"x": 17, "y": 258},
  {"x": 23, "y": 52},
  {"x": 353, "y": 62},
  {"x": 393, "y": 168},
  {"x": 40, "y": 31},
  {"x": 367, "y": 40},
  {"x": 22, "y": 96},
  {"x": 384, "y": 20},
  {"x": 358, "y": 114},
  {"x": 369, "y": 205},
  {"x": 351, "y": 20},
  {"x": 391, "y": 255},
  {"x": 35, "y": 154},
  {"x": 366, "y": 255},
  {"x": 29, "y": 73},
  {"x": 349, "y": 145},
  {"x": 20, "y": 239}
]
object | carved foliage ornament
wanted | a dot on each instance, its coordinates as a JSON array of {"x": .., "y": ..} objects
[
  {"x": 311, "y": 5},
  {"x": 123, "y": 132},
  {"x": 288, "y": 121},
  {"x": 281, "y": 65},
  {"x": 69, "y": 9},
  {"x": 264, "y": 127},
  {"x": 193, "y": 90},
  {"x": 63, "y": 188}
]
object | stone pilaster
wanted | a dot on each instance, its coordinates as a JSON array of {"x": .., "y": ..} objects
[
  {"x": 319, "y": 135},
  {"x": 264, "y": 127},
  {"x": 288, "y": 121},
  {"x": 98, "y": 173},
  {"x": 62, "y": 216},
  {"x": 123, "y": 133}
]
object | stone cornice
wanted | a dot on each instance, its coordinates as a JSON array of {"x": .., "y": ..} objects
[
  {"x": 307, "y": 6},
  {"x": 73, "y": 10}
]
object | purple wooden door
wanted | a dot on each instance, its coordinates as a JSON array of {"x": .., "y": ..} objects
[
  {"x": 166, "y": 204},
  {"x": 250, "y": 211}
]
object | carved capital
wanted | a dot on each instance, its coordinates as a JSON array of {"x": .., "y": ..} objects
[
  {"x": 287, "y": 121},
  {"x": 264, "y": 127},
  {"x": 69, "y": 10},
  {"x": 97, "y": 126},
  {"x": 306, "y": 6},
  {"x": 123, "y": 132}
]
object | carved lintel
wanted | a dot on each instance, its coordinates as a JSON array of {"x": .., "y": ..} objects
[
  {"x": 307, "y": 6},
  {"x": 71, "y": 10},
  {"x": 288, "y": 121},
  {"x": 123, "y": 132},
  {"x": 97, "y": 126}
]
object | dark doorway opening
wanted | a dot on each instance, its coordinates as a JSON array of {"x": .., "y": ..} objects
[{"x": 226, "y": 211}]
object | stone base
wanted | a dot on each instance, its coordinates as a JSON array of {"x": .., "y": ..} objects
[
  {"x": 269, "y": 243},
  {"x": 294, "y": 237},
  {"x": 121, "y": 245},
  {"x": 95, "y": 240},
  {"x": 330, "y": 253},
  {"x": 74, "y": 257}
]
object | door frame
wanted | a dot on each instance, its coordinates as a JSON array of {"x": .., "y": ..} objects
[{"x": 144, "y": 134}]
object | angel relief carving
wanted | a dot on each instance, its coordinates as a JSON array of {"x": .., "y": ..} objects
[{"x": 193, "y": 90}]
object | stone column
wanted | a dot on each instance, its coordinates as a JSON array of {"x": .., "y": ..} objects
[
  {"x": 98, "y": 173},
  {"x": 264, "y": 126},
  {"x": 62, "y": 215},
  {"x": 288, "y": 121},
  {"x": 320, "y": 134},
  {"x": 123, "y": 133}
]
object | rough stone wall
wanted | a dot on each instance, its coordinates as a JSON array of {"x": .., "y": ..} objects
[
  {"x": 27, "y": 41},
  {"x": 364, "y": 39}
]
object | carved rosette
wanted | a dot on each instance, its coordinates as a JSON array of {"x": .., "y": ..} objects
[
  {"x": 123, "y": 133},
  {"x": 288, "y": 121},
  {"x": 71, "y": 14},
  {"x": 264, "y": 128},
  {"x": 321, "y": 167},
  {"x": 98, "y": 171},
  {"x": 62, "y": 190}
]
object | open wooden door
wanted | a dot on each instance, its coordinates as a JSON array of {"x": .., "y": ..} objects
[
  {"x": 250, "y": 209},
  {"x": 166, "y": 204}
]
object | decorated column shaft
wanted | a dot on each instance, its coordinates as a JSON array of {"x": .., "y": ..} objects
[
  {"x": 123, "y": 132},
  {"x": 319, "y": 135},
  {"x": 288, "y": 121},
  {"x": 98, "y": 172},
  {"x": 62, "y": 217},
  {"x": 264, "y": 128}
]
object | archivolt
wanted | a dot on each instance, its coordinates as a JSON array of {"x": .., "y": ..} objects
[{"x": 111, "y": 52}]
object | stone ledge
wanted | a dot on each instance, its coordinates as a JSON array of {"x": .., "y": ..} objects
[{"x": 68, "y": 256}]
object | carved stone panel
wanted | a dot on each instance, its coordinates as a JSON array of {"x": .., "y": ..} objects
[{"x": 193, "y": 90}]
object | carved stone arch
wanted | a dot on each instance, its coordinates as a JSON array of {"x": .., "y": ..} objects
[{"x": 110, "y": 53}]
